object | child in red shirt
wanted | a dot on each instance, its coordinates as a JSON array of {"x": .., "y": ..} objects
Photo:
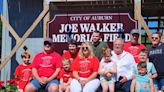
[
  {"x": 65, "y": 76},
  {"x": 24, "y": 71}
]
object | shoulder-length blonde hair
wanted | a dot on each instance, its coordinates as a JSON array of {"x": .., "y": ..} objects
[{"x": 91, "y": 53}]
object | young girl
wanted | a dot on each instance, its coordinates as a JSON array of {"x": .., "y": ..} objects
[
  {"x": 24, "y": 71},
  {"x": 107, "y": 70},
  {"x": 142, "y": 82},
  {"x": 65, "y": 76}
]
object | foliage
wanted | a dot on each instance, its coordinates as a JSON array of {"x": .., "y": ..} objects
[{"x": 10, "y": 87}]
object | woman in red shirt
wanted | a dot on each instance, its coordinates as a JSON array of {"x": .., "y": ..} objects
[{"x": 85, "y": 70}]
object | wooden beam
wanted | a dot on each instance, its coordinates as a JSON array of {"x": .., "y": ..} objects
[
  {"x": 11, "y": 30},
  {"x": 46, "y": 20},
  {"x": 8, "y": 26},
  {"x": 28, "y": 32},
  {"x": 145, "y": 27}
]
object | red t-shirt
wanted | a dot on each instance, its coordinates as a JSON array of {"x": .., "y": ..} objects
[
  {"x": 67, "y": 54},
  {"x": 85, "y": 66},
  {"x": 46, "y": 64},
  {"x": 65, "y": 75},
  {"x": 134, "y": 50},
  {"x": 24, "y": 74}
]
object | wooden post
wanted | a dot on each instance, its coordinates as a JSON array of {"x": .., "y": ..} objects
[
  {"x": 137, "y": 13},
  {"x": 46, "y": 19},
  {"x": 28, "y": 32}
]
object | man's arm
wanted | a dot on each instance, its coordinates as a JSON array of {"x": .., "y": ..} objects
[
  {"x": 35, "y": 73},
  {"x": 36, "y": 76},
  {"x": 54, "y": 75}
]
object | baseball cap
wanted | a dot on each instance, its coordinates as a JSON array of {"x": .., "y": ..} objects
[
  {"x": 48, "y": 41},
  {"x": 135, "y": 31}
]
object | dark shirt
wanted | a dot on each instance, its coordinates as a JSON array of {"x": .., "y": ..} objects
[{"x": 156, "y": 56}]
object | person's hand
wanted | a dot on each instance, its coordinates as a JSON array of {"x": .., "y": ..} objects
[
  {"x": 83, "y": 82},
  {"x": 45, "y": 80},
  {"x": 150, "y": 75},
  {"x": 108, "y": 75},
  {"x": 41, "y": 81},
  {"x": 105, "y": 72},
  {"x": 133, "y": 77},
  {"x": 123, "y": 80}
]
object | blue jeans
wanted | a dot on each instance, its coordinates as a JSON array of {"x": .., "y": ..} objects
[
  {"x": 37, "y": 85},
  {"x": 123, "y": 86},
  {"x": 159, "y": 82}
]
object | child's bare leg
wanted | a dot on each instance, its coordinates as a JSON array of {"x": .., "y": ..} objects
[
  {"x": 60, "y": 88},
  {"x": 111, "y": 87},
  {"x": 67, "y": 89},
  {"x": 104, "y": 86}
]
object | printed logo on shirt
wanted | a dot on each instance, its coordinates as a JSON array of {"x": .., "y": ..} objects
[
  {"x": 134, "y": 51},
  {"x": 46, "y": 61},
  {"x": 66, "y": 77},
  {"x": 84, "y": 66},
  {"x": 26, "y": 74},
  {"x": 157, "y": 51}
]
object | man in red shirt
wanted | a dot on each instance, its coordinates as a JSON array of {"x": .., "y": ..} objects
[
  {"x": 46, "y": 66},
  {"x": 133, "y": 46}
]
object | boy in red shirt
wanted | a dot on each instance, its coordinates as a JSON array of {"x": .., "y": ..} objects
[
  {"x": 65, "y": 76},
  {"x": 24, "y": 71}
]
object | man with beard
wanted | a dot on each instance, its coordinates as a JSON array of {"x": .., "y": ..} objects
[{"x": 98, "y": 45}]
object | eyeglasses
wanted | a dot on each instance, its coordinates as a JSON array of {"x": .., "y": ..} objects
[
  {"x": 118, "y": 44},
  {"x": 84, "y": 48},
  {"x": 154, "y": 38}
]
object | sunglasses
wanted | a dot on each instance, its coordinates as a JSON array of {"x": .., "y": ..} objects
[
  {"x": 84, "y": 48},
  {"x": 154, "y": 38},
  {"x": 47, "y": 43}
]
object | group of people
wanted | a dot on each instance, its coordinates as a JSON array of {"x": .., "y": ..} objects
[{"x": 129, "y": 67}]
